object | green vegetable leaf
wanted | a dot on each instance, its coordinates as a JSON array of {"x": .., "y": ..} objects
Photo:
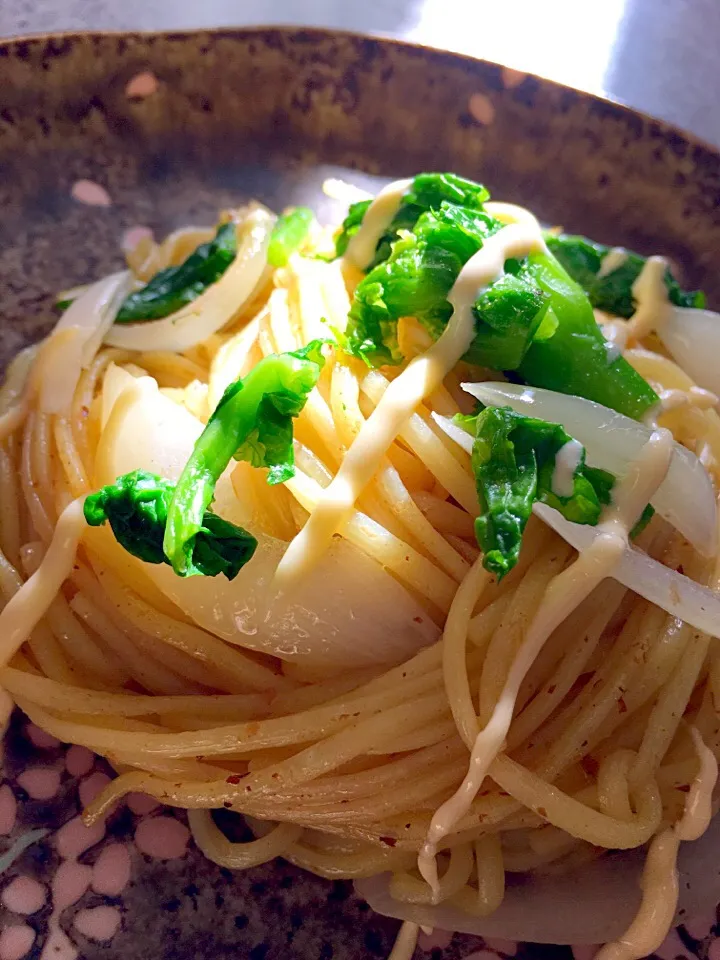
[
  {"x": 62, "y": 305},
  {"x": 612, "y": 292},
  {"x": 136, "y": 506},
  {"x": 427, "y": 192},
  {"x": 533, "y": 321},
  {"x": 414, "y": 281},
  {"x": 174, "y": 287},
  {"x": 253, "y": 422},
  {"x": 513, "y": 459},
  {"x": 575, "y": 358},
  {"x": 288, "y": 234}
]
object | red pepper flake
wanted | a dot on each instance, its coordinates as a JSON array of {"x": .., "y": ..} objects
[
  {"x": 417, "y": 619},
  {"x": 542, "y": 811},
  {"x": 235, "y": 778},
  {"x": 590, "y": 765},
  {"x": 684, "y": 788},
  {"x": 388, "y": 841},
  {"x": 552, "y": 689},
  {"x": 622, "y": 706}
]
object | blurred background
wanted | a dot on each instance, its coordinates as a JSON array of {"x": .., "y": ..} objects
[{"x": 659, "y": 56}]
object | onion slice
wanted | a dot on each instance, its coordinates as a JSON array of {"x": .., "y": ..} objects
[
  {"x": 76, "y": 339},
  {"x": 672, "y": 591},
  {"x": 686, "y": 498},
  {"x": 592, "y": 904},
  {"x": 461, "y": 437},
  {"x": 693, "y": 339},
  {"x": 214, "y": 308}
]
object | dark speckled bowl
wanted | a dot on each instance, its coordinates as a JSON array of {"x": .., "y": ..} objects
[{"x": 270, "y": 113}]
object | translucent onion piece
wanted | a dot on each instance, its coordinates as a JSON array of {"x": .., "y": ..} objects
[
  {"x": 685, "y": 499},
  {"x": 693, "y": 339},
  {"x": 593, "y": 904},
  {"x": 675, "y": 593},
  {"x": 214, "y": 308},
  {"x": 76, "y": 339},
  {"x": 350, "y": 612},
  {"x": 456, "y": 433}
]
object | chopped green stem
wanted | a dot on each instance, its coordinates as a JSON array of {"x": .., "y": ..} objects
[{"x": 252, "y": 422}]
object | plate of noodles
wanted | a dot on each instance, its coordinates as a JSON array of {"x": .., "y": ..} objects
[{"x": 359, "y": 457}]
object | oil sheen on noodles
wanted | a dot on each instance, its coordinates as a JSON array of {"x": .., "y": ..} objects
[
  {"x": 422, "y": 376},
  {"x": 660, "y": 880},
  {"x": 563, "y": 595},
  {"x": 518, "y": 726}
]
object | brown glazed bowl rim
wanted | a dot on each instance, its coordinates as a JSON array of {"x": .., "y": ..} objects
[{"x": 386, "y": 39}]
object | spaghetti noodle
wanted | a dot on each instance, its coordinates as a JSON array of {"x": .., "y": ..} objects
[{"x": 423, "y": 707}]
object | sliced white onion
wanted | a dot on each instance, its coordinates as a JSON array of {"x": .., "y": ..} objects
[
  {"x": 461, "y": 437},
  {"x": 350, "y": 612},
  {"x": 677, "y": 594},
  {"x": 673, "y": 592},
  {"x": 685, "y": 499},
  {"x": 76, "y": 339},
  {"x": 592, "y": 904},
  {"x": 693, "y": 339},
  {"x": 214, "y": 308}
]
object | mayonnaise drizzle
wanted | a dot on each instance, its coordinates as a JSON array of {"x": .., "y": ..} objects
[
  {"x": 28, "y": 606},
  {"x": 563, "y": 595},
  {"x": 378, "y": 217},
  {"x": 511, "y": 213},
  {"x": 650, "y": 294},
  {"x": 422, "y": 376},
  {"x": 567, "y": 460},
  {"x": 611, "y": 261},
  {"x": 660, "y": 878}
]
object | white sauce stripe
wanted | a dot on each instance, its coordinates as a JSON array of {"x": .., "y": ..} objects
[
  {"x": 562, "y": 596},
  {"x": 378, "y": 217},
  {"x": 567, "y": 460},
  {"x": 421, "y": 377},
  {"x": 611, "y": 261}
]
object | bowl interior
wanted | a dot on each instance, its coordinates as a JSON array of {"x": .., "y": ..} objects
[{"x": 219, "y": 118}]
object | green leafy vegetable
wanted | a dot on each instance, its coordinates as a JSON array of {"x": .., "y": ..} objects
[
  {"x": 174, "y": 287},
  {"x": 414, "y": 281},
  {"x": 136, "y": 506},
  {"x": 288, "y": 234},
  {"x": 252, "y": 422},
  {"x": 62, "y": 305},
  {"x": 612, "y": 292},
  {"x": 427, "y": 191},
  {"x": 575, "y": 358},
  {"x": 534, "y": 319},
  {"x": 513, "y": 460}
]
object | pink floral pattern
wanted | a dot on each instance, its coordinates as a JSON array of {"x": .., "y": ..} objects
[{"x": 68, "y": 891}]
